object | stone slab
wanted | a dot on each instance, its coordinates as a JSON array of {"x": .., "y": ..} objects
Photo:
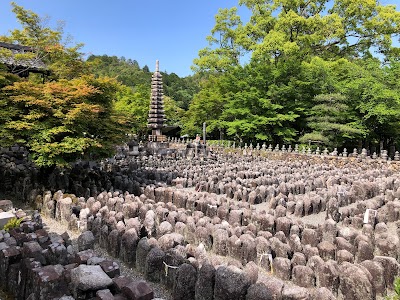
[{"x": 5, "y": 217}]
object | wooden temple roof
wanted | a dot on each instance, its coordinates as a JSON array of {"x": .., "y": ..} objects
[{"x": 22, "y": 67}]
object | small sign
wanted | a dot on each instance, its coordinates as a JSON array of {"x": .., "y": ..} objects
[{"x": 367, "y": 213}]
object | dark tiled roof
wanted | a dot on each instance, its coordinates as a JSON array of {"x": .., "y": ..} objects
[
  {"x": 16, "y": 47},
  {"x": 31, "y": 64}
]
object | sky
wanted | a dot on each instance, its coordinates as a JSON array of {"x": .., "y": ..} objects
[{"x": 169, "y": 31}]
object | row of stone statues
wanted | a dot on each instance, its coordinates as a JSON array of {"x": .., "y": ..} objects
[{"x": 247, "y": 149}]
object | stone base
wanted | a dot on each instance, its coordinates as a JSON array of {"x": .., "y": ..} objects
[{"x": 154, "y": 148}]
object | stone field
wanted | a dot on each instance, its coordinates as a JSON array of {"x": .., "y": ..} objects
[{"x": 233, "y": 225}]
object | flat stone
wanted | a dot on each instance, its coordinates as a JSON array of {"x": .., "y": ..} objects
[
  {"x": 87, "y": 277},
  {"x": 295, "y": 293},
  {"x": 95, "y": 260},
  {"x": 83, "y": 256},
  {"x": 138, "y": 290},
  {"x": 86, "y": 241},
  {"x": 119, "y": 282},
  {"x": 31, "y": 249},
  {"x": 5, "y": 217},
  {"x": 104, "y": 295},
  {"x": 42, "y": 236},
  {"x": 67, "y": 271},
  {"x": 48, "y": 282},
  {"x": 111, "y": 268},
  {"x": 3, "y": 246}
]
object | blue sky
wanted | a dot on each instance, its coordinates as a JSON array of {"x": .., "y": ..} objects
[{"x": 170, "y": 31}]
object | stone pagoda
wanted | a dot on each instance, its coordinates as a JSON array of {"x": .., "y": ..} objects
[{"x": 156, "y": 112}]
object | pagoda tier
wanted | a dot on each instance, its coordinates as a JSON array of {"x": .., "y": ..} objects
[{"x": 156, "y": 117}]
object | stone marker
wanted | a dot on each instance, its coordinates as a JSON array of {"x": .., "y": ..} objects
[{"x": 86, "y": 278}]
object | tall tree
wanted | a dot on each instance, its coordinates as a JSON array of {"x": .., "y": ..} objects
[
  {"x": 70, "y": 117},
  {"x": 225, "y": 50},
  {"x": 61, "y": 121},
  {"x": 332, "y": 121},
  {"x": 301, "y": 42}
]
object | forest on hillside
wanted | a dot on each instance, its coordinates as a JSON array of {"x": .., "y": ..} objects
[{"x": 314, "y": 72}]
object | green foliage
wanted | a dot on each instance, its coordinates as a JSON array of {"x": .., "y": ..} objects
[
  {"x": 13, "y": 223},
  {"x": 134, "y": 105},
  {"x": 229, "y": 50},
  {"x": 297, "y": 50},
  {"x": 294, "y": 71},
  {"x": 223, "y": 143},
  {"x": 61, "y": 121},
  {"x": 48, "y": 45},
  {"x": 207, "y": 105},
  {"x": 125, "y": 71},
  {"x": 314, "y": 137},
  {"x": 332, "y": 121},
  {"x": 239, "y": 103},
  {"x": 396, "y": 284},
  {"x": 128, "y": 72},
  {"x": 173, "y": 112},
  {"x": 71, "y": 116}
]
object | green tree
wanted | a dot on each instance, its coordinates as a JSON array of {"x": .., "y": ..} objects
[
  {"x": 332, "y": 122},
  {"x": 64, "y": 62},
  {"x": 224, "y": 51},
  {"x": 377, "y": 90},
  {"x": 134, "y": 104},
  {"x": 173, "y": 113},
  {"x": 207, "y": 106},
  {"x": 309, "y": 48},
  {"x": 250, "y": 114},
  {"x": 126, "y": 72},
  {"x": 70, "y": 117},
  {"x": 61, "y": 121}
]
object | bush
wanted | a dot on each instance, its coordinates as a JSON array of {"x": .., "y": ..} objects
[{"x": 13, "y": 223}]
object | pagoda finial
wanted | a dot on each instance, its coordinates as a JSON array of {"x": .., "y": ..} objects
[{"x": 157, "y": 66}]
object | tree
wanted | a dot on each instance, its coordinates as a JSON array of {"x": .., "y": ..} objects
[
  {"x": 59, "y": 121},
  {"x": 125, "y": 72},
  {"x": 250, "y": 114},
  {"x": 173, "y": 113},
  {"x": 47, "y": 44},
  {"x": 301, "y": 49},
  {"x": 377, "y": 90},
  {"x": 134, "y": 104},
  {"x": 228, "y": 51},
  {"x": 207, "y": 106},
  {"x": 332, "y": 122}
]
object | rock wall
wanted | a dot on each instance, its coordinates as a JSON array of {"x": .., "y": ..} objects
[{"x": 36, "y": 264}]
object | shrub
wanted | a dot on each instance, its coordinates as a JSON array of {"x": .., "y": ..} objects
[{"x": 13, "y": 223}]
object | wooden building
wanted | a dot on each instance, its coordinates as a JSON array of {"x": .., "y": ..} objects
[{"x": 20, "y": 66}]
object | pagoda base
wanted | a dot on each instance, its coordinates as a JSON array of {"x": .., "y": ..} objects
[{"x": 157, "y": 138}]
